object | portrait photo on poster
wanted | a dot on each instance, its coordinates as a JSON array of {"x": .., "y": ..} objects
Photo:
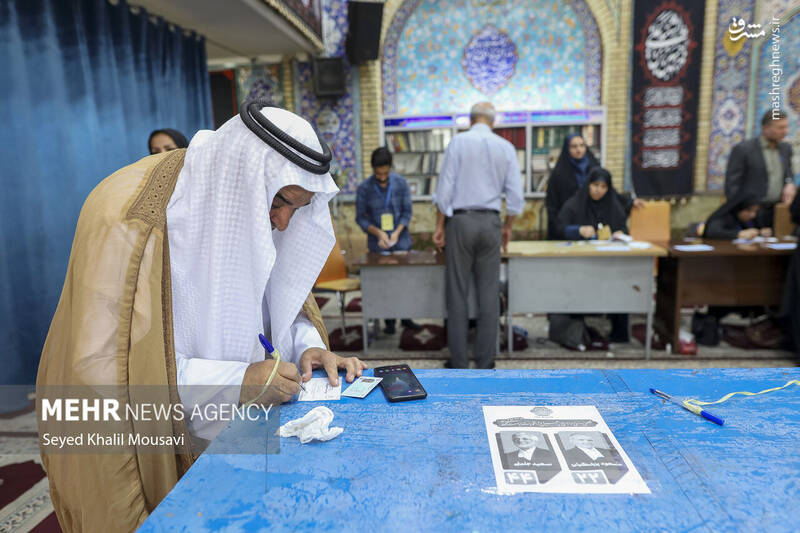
[
  {"x": 557, "y": 449},
  {"x": 591, "y": 450},
  {"x": 528, "y": 450}
]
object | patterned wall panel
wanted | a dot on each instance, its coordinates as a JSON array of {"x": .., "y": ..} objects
[
  {"x": 336, "y": 119},
  {"x": 778, "y": 79},
  {"x": 730, "y": 89},
  {"x": 260, "y": 81},
  {"x": 309, "y": 12},
  {"x": 445, "y": 56}
]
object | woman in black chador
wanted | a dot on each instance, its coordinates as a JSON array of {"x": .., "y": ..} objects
[
  {"x": 736, "y": 219},
  {"x": 569, "y": 174},
  {"x": 595, "y": 203}
]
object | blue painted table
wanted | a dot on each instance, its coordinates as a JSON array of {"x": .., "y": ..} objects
[{"x": 425, "y": 465}]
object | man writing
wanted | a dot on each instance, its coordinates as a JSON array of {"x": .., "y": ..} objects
[
  {"x": 763, "y": 167},
  {"x": 478, "y": 167},
  {"x": 174, "y": 271}
]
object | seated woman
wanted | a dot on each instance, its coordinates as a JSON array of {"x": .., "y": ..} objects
[
  {"x": 596, "y": 203},
  {"x": 736, "y": 219},
  {"x": 569, "y": 175},
  {"x": 165, "y": 140}
]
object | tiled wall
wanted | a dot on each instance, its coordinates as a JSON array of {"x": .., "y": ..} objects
[
  {"x": 787, "y": 86},
  {"x": 336, "y": 119},
  {"x": 445, "y": 56}
]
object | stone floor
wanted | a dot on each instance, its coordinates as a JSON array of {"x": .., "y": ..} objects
[{"x": 543, "y": 353}]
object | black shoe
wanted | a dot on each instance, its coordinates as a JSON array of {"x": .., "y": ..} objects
[
  {"x": 448, "y": 364},
  {"x": 410, "y": 324}
]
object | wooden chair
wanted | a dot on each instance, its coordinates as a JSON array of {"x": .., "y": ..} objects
[
  {"x": 333, "y": 278},
  {"x": 651, "y": 223},
  {"x": 782, "y": 223}
]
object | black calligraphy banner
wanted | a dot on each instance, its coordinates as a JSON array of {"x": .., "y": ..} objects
[{"x": 666, "y": 84}]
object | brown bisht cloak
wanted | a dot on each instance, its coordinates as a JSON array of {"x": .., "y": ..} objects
[{"x": 113, "y": 326}]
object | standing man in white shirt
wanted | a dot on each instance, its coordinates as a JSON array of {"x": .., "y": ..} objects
[{"x": 478, "y": 167}]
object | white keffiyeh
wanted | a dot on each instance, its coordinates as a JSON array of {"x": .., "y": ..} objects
[{"x": 227, "y": 263}]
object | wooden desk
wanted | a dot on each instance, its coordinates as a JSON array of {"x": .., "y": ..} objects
[
  {"x": 409, "y": 285},
  {"x": 728, "y": 275},
  {"x": 580, "y": 277},
  {"x": 425, "y": 465}
]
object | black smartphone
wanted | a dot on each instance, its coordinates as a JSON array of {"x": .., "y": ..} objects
[{"x": 399, "y": 383}]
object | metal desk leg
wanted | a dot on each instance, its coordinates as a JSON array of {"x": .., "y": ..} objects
[
  {"x": 364, "y": 332},
  {"x": 509, "y": 332}
]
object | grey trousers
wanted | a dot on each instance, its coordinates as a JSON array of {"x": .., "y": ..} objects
[{"x": 472, "y": 246}]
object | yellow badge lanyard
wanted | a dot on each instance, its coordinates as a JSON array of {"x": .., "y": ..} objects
[
  {"x": 387, "y": 218},
  {"x": 695, "y": 405}
]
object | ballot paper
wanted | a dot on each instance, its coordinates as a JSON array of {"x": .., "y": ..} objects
[
  {"x": 614, "y": 248},
  {"x": 757, "y": 239},
  {"x": 563, "y": 449},
  {"x": 361, "y": 387},
  {"x": 782, "y": 245},
  {"x": 694, "y": 247},
  {"x": 320, "y": 390}
]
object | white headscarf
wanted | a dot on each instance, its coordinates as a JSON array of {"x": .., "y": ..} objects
[{"x": 224, "y": 256}]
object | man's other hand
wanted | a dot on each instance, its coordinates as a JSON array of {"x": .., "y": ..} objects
[
  {"x": 505, "y": 236},
  {"x": 315, "y": 358},
  {"x": 438, "y": 238},
  {"x": 789, "y": 190}
]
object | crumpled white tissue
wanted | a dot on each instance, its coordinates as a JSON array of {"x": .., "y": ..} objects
[{"x": 314, "y": 425}]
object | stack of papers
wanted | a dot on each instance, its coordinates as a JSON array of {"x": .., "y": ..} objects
[
  {"x": 693, "y": 247},
  {"x": 782, "y": 245}
]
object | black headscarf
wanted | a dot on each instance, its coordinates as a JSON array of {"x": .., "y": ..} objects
[
  {"x": 581, "y": 210},
  {"x": 724, "y": 223},
  {"x": 176, "y": 136},
  {"x": 567, "y": 177}
]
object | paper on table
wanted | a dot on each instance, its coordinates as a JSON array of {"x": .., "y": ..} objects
[
  {"x": 782, "y": 245},
  {"x": 565, "y": 449},
  {"x": 320, "y": 390},
  {"x": 640, "y": 245},
  {"x": 755, "y": 240},
  {"x": 693, "y": 247},
  {"x": 614, "y": 248}
]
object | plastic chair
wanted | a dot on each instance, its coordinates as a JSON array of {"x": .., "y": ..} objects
[
  {"x": 651, "y": 223},
  {"x": 333, "y": 278}
]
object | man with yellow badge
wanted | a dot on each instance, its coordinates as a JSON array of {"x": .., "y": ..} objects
[{"x": 383, "y": 210}]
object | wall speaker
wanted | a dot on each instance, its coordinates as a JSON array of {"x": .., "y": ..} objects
[
  {"x": 329, "y": 79},
  {"x": 364, "y": 31}
]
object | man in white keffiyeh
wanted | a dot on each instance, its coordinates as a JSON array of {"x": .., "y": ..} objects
[
  {"x": 179, "y": 261},
  {"x": 237, "y": 272}
]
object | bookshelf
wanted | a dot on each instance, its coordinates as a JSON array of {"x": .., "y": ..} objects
[{"x": 418, "y": 143}]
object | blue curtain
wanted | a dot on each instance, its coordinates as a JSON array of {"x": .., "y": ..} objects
[{"x": 84, "y": 84}]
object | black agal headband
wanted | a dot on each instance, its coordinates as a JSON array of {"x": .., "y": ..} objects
[{"x": 250, "y": 111}]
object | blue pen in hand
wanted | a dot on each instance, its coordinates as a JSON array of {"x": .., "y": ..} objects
[
  {"x": 272, "y": 351},
  {"x": 689, "y": 407}
]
